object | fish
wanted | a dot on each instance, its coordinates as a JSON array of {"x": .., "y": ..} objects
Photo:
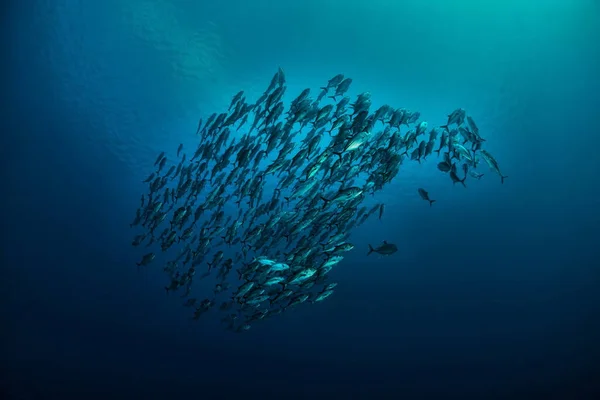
[
  {"x": 323, "y": 295},
  {"x": 384, "y": 249},
  {"x": 381, "y": 209},
  {"x": 475, "y": 174},
  {"x": 334, "y": 82},
  {"x": 343, "y": 195},
  {"x": 146, "y": 259},
  {"x": 425, "y": 196},
  {"x": 444, "y": 166},
  {"x": 456, "y": 179},
  {"x": 342, "y": 88},
  {"x": 493, "y": 164}
]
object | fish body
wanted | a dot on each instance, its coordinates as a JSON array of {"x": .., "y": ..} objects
[
  {"x": 425, "y": 196},
  {"x": 384, "y": 249},
  {"x": 493, "y": 164},
  {"x": 147, "y": 259}
]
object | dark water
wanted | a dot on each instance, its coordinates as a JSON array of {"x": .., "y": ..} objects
[{"x": 494, "y": 290}]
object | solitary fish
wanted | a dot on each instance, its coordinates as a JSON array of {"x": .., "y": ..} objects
[
  {"x": 385, "y": 249},
  {"x": 425, "y": 196}
]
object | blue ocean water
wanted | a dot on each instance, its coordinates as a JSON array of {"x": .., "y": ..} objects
[{"x": 493, "y": 293}]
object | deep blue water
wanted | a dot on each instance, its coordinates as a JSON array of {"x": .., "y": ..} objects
[{"x": 494, "y": 290}]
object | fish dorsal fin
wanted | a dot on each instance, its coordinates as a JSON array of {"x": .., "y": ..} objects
[{"x": 384, "y": 242}]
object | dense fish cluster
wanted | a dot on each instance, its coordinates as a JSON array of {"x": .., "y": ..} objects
[{"x": 265, "y": 203}]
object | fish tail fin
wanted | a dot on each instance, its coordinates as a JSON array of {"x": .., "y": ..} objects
[
  {"x": 463, "y": 181},
  {"x": 444, "y": 127},
  {"x": 338, "y": 153},
  {"x": 324, "y": 88},
  {"x": 371, "y": 249},
  {"x": 332, "y": 97},
  {"x": 431, "y": 202},
  {"x": 502, "y": 178},
  {"x": 324, "y": 201}
]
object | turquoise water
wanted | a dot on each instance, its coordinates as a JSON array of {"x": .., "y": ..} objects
[{"x": 492, "y": 293}]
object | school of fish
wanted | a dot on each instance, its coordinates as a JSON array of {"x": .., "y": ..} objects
[{"x": 273, "y": 193}]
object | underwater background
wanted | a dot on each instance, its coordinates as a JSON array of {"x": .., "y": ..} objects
[{"x": 493, "y": 292}]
